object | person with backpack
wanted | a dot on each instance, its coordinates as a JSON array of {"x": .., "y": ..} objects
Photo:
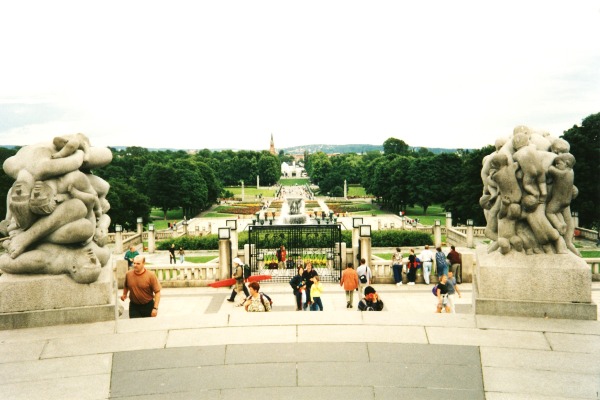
[
  {"x": 299, "y": 286},
  {"x": 371, "y": 301},
  {"x": 364, "y": 275},
  {"x": 257, "y": 302},
  {"x": 440, "y": 262},
  {"x": 412, "y": 267},
  {"x": 238, "y": 275}
]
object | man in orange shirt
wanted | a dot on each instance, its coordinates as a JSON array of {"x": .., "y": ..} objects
[{"x": 143, "y": 288}]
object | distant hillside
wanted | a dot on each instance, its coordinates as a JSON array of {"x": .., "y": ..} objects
[{"x": 311, "y": 148}]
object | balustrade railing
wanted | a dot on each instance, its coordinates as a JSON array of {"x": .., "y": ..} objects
[{"x": 172, "y": 275}]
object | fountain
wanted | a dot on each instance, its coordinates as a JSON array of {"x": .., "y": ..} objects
[{"x": 292, "y": 211}]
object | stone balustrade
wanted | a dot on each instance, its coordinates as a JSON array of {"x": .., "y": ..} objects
[
  {"x": 178, "y": 275},
  {"x": 173, "y": 275}
]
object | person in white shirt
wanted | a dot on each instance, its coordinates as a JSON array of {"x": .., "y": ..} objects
[
  {"x": 363, "y": 270},
  {"x": 427, "y": 260}
]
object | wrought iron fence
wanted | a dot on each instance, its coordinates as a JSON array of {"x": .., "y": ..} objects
[{"x": 318, "y": 244}]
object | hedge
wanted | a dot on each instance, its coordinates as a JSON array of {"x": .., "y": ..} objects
[{"x": 386, "y": 238}]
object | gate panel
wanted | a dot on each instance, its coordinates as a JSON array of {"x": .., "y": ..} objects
[{"x": 318, "y": 244}]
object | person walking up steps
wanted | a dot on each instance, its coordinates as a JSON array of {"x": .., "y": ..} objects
[{"x": 349, "y": 282}]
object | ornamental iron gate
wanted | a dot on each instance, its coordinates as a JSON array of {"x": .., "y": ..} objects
[{"x": 318, "y": 244}]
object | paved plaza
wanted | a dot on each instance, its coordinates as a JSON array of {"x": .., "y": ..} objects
[{"x": 202, "y": 347}]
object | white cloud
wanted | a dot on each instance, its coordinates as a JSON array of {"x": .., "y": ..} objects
[{"x": 228, "y": 74}]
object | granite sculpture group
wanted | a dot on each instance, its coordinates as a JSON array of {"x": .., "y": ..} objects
[
  {"x": 56, "y": 219},
  {"x": 527, "y": 192}
]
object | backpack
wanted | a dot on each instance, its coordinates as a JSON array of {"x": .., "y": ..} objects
[
  {"x": 247, "y": 271},
  {"x": 434, "y": 290},
  {"x": 266, "y": 296}
]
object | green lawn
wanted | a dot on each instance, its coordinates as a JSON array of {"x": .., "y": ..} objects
[
  {"x": 590, "y": 253},
  {"x": 356, "y": 191},
  {"x": 200, "y": 259},
  {"x": 293, "y": 181}
]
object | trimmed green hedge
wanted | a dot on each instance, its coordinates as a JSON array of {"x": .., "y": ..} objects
[{"x": 386, "y": 238}]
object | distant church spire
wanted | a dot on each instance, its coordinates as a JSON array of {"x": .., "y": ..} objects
[{"x": 272, "y": 147}]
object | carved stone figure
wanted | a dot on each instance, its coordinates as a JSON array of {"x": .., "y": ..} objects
[
  {"x": 56, "y": 217},
  {"x": 527, "y": 191}
]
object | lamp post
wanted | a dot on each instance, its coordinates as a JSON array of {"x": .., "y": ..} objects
[
  {"x": 118, "y": 239},
  {"x": 151, "y": 239},
  {"x": 356, "y": 223},
  {"x": 140, "y": 227},
  {"x": 365, "y": 242},
  {"x": 232, "y": 225},
  {"x": 470, "y": 233},
  {"x": 437, "y": 233},
  {"x": 448, "y": 220}
]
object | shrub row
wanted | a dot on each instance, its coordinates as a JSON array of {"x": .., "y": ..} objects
[{"x": 387, "y": 238}]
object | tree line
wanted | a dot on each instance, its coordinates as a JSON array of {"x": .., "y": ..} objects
[
  {"x": 402, "y": 177},
  {"x": 398, "y": 177}
]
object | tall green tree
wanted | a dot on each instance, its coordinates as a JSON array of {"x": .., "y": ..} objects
[
  {"x": 269, "y": 169},
  {"x": 162, "y": 187},
  {"x": 463, "y": 200},
  {"x": 395, "y": 146},
  {"x": 585, "y": 146}
]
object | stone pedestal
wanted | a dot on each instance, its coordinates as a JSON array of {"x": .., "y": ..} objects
[
  {"x": 28, "y": 301},
  {"x": 543, "y": 285}
]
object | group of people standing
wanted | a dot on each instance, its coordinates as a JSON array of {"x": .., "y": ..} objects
[
  {"x": 444, "y": 263},
  {"x": 448, "y": 271},
  {"x": 307, "y": 288},
  {"x": 172, "y": 251}
]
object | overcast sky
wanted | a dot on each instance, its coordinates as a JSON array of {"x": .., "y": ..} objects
[{"x": 228, "y": 74}]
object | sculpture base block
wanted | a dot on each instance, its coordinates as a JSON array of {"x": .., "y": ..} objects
[
  {"x": 542, "y": 285},
  {"x": 28, "y": 301}
]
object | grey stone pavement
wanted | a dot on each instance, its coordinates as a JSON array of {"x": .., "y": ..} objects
[{"x": 202, "y": 347}]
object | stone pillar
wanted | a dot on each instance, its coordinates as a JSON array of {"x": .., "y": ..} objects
[
  {"x": 448, "y": 220},
  {"x": 151, "y": 241},
  {"x": 437, "y": 234},
  {"x": 140, "y": 227},
  {"x": 118, "y": 242},
  {"x": 470, "y": 236},
  {"x": 234, "y": 244},
  {"x": 224, "y": 258},
  {"x": 365, "y": 250},
  {"x": 344, "y": 258},
  {"x": 355, "y": 238},
  {"x": 185, "y": 228},
  {"x": 468, "y": 266}
]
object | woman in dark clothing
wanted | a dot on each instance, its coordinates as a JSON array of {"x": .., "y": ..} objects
[
  {"x": 307, "y": 276},
  {"x": 412, "y": 267},
  {"x": 299, "y": 285}
]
